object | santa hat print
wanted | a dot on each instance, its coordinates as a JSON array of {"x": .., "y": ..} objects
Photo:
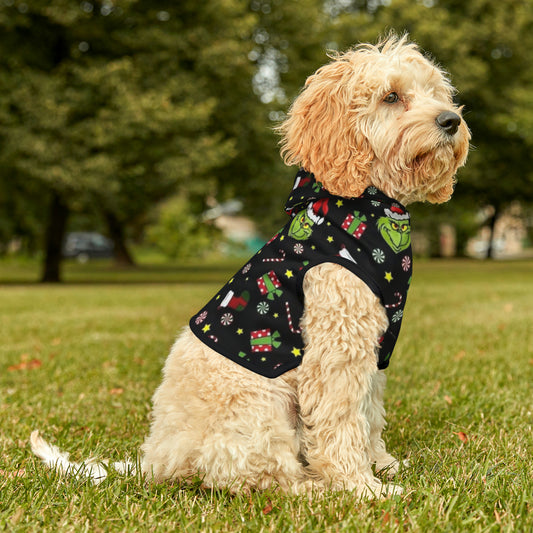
[
  {"x": 396, "y": 213},
  {"x": 318, "y": 210},
  {"x": 301, "y": 181}
]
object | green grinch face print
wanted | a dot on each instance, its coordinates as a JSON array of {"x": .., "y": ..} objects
[
  {"x": 395, "y": 229},
  {"x": 301, "y": 227},
  {"x": 302, "y": 224}
]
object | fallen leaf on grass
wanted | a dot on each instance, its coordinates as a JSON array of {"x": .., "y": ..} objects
[
  {"x": 11, "y": 474},
  {"x": 267, "y": 509},
  {"x": 460, "y": 355},
  {"x": 448, "y": 400},
  {"x": 116, "y": 392},
  {"x": 25, "y": 364},
  {"x": 462, "y": 436}
]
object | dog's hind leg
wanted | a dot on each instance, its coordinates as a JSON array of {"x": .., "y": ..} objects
[
  {"x": 342, "y": 323},
  {"x": 217, "y": 420}
]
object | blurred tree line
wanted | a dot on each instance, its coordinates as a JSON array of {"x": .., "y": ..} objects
[{"x": 109, "y": 109}]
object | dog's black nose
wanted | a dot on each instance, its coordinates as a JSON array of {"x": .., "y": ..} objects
[{"x": 449, "y": 122}]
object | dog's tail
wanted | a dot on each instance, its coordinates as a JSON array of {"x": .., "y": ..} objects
[{"x": 92, "y": 469}]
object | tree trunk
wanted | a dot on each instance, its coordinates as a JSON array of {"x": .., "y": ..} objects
[
  {"x": 116, "y": 233},
  {"x": 492, "y": 226},
  {"x": 54, "y": 237}
]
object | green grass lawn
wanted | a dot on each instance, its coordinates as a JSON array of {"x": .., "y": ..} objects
[{"x": 80, "y": 361}]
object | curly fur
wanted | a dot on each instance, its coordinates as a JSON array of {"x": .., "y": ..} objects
[{"x": 320, "y": 425}]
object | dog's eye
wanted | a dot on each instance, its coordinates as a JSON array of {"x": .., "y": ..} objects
[{"x": 391, "y": 98}]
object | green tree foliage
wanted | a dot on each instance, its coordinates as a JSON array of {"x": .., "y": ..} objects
[
  {"x": 180, "y": 232},
  {"x": 119, "y": 104},
  {"x": 110, "y": 105},
  {"x": 286, "y": 46}
]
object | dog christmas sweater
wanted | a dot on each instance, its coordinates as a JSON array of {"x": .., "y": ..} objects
[{"x": 254, "y": 319}]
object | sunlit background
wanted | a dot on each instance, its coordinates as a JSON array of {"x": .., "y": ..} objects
[{"x": 134, "y": 132}]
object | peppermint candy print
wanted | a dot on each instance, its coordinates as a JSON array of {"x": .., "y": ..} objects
[
  {"x": 372, "y": 190},
  {"x": 406, "y": 263},
  {"x": 298, "y": 248},
  {"x": 378, "y": 255},
  {"x": 246, "y": 268},
  {"x": 201, "y": 317},
  {"x": 396, "y": 317},
  {"x": 226, "y": 319},
  {"x": 262, "y": 308}
]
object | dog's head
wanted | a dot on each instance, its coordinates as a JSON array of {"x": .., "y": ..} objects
[{"x": 378, "y": 115}]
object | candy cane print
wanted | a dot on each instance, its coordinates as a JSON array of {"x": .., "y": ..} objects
[
  {"x": 397, "y": 304},
  {"x": 213, "y": 338},
  {"x": 291, "y": 326},
  {"x": 276, "y": 259}
]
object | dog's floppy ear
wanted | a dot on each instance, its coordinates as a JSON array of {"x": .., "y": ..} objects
[{"x": 321, "y": 132}]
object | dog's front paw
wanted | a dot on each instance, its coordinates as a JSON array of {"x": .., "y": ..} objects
[
  {"x": 388, "y": 466},
  {"x": 380, "y": 490}
]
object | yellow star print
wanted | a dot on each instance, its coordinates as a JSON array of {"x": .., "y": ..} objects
[
  {"x": 339, "y": 203},
  {"x": 240, "y": 331},
  {"x": 296, "y": 352},
  {"x": 206, "y": 328},
  {"x": 388, "y": 276},
  {"x": 330, "y": 238},
  {"x": 289, "y": 273}
]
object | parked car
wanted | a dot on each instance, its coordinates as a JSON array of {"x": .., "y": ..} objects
[{"x": 87, "y": 245}]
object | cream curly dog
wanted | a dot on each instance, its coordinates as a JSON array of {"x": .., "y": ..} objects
[{"x": 377, "y": 120}]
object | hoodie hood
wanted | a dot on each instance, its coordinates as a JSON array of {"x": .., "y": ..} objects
[
  {"x": 309, "y": 193},
  {"x": 306, "y": 191}
]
